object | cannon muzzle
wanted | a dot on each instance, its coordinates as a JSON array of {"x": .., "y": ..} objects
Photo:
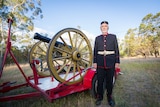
[{"x": 41, "y": 38}]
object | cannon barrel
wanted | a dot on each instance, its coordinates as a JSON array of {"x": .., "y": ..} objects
[
  {"x": 41, "y": 38},
  {"x": 46, "y": 39}
]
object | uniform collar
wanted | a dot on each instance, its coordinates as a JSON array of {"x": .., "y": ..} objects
[{"x": 104, "y": 34}]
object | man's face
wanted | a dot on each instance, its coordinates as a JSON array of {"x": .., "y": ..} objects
[{"x": 104, "y": 28}]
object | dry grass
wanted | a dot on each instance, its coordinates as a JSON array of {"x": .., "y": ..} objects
[
  {"x": 137, "y": 87},
  {"x": 12, "y": 73}
]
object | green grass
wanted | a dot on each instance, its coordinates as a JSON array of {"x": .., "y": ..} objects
[{"x": 139, "y": 86}]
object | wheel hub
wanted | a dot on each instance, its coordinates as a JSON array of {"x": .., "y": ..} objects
[{"x": 76, "y": 56}]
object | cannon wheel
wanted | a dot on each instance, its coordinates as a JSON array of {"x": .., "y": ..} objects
[
  {"x": 68, "y": 54},
  {"x": 38, "y": 52}
]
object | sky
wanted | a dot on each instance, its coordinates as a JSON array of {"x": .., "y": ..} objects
[{"x": 121, "y": 15}]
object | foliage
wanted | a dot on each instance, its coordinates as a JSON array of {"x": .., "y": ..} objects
[
  {"x": 23, "y": 13},
  {"x": 130, "y": 42},
  {"x": 144, "y": 40}
]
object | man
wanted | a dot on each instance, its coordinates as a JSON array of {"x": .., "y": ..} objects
[{"x": 106, "y": 60}]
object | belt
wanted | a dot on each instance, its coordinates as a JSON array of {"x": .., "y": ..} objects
[{"x": 106, "y": 52}]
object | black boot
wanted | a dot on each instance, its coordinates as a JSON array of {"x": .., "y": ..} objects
[
  {"x": 98, "y": 101},
  {"x": 111, "y": 101}
]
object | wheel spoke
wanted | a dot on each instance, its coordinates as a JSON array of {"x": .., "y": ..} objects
[
  {"x": 85, "y": 47},
  {"x": 85, "y": 53},
  {"x": 62, "y": 67},
  {"x": 57, "y": 63},
  {"x": 69, "y": 68},
  {"x": 69, "y": 34},
  {"x": 60, "y": 58},
  {"x": 39, "y": 54},
  {"x": 80, "y": 43},
  {"x": 74, "y": 70},
  {"x": 75, "y": 40},
  {"x": 62, "y": 50},
  {"x": 46, "y": 45},
  {"x": 78, "y": 68},
  {"x": 65, "y": 43},
  {"x": 84, "y": 64},
  {"x": 85, "y": 60},
  {"x": 42, "y": 49}
]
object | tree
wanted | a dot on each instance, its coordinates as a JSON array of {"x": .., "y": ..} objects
[
  {"x": 149, "y": 29},
  {"x": 130, "y": 42},
  {"x": 144, "y": 40},
  {"x": 23, "y": 13}
]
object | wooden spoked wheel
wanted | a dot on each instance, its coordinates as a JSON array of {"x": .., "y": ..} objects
[
  {"x": 39, "y": 52},
  {"x": 68, "y": 54}
]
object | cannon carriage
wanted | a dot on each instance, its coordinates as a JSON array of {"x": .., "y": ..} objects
[{"x": 63, "y": 56}]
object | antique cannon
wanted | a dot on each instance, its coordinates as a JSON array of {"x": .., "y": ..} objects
[{"x": 65, "y": 55}]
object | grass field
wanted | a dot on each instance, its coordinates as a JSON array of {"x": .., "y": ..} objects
[{"x": 139, "y": 86}]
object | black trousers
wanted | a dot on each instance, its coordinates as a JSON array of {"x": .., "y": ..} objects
[{"x": 105, "y": 75}]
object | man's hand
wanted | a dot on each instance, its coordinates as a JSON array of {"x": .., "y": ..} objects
[
  {"x": 95, "y": 65},
  {"x": 117, "y": 65}
]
